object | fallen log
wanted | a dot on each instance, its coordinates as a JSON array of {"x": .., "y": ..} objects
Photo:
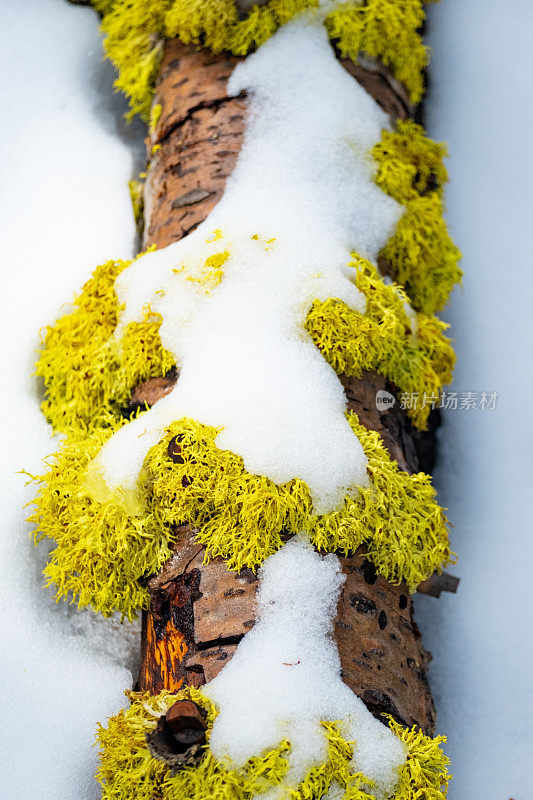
[{"x": 199, "y": 612}]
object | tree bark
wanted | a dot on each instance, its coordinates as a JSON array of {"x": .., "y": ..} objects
[{"x": 199, "y": 612}]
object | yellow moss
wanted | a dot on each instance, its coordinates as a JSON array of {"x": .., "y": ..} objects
[
  {"x": 87, "y": 375},
  {"x": 382, "y": 339},
  {"x": 155, "y": 116},
  {"x": 387, "y": 30},
  {"x": 101, "y": 555},
  {"x": 423, "y": 257},
  {"x": 210, "y": 273},
  {"x": 241, "y": 516},
  {"x": 129, "y": 772},
  {"x": 137, "y": 201},
  {"x": 135, "y": 31}
]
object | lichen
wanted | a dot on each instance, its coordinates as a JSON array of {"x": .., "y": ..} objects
[
  {"x": 135, "y": 31},
  {"x": 423, "y": 258},
  {"x": 103, "y": 555},
  {"x": 242, "y": 517},
  {"x": 136, "y": 188},
  {"x": 129, "y": 772},
  {"x": 382, "y": 340},
  {"x": 89, "y": 376}
]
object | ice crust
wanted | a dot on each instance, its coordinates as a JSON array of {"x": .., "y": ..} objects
[
  {"x": 300, "y": 200},
  {"x": 284, "y": 677}
]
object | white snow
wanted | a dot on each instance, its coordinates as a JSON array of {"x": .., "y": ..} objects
[
  {"x": 482, "y": 638},
  {"x": 284, "y": 677},
  {"x": 56, "y": 113},
  {"x": 303, "y": 184},
  {"x": 64, "y": 208}
]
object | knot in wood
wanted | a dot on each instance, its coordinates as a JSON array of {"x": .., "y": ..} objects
[{"x": 179, "y": 736}]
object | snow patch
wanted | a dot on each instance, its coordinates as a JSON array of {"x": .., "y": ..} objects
[
  {"x": 300, "y": 200},
  {"x": 64, "y": 170},
  {"x": 284, "y": 678}
]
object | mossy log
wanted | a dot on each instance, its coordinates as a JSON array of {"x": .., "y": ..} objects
[{"x": 199, "y": 612}]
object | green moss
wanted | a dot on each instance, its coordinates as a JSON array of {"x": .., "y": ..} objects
[
  {"x": 89, "y": 376},
  {"x": 129, "y": 772},
  {"x": 382, "y": 339},
  {"x": 135, "y": 31},
  {"x": 421, "y": 253}
]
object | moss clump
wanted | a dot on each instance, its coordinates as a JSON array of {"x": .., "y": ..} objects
[
  {"x": 423, "y": 257},
  {"x": 242, "y": 517},
  {"x": 129, "y": 772},
  {"x": 136, "y": 188},
  {"x": 387, "y": 30},
  {"x": 103, "y": 555},
  {"x": 382, "y": 339},
  {"x": 89, "y": 376},
  {"x": 424, "y": 776},
  {"x": 135, "y": 31}
]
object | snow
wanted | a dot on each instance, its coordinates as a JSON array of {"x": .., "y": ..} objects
[
  {"x": 64, "y": 208},
  {"x": 481, "y": 638},
  {"x": 301, "y": 199},
  {"x": 284, "y": 677}
]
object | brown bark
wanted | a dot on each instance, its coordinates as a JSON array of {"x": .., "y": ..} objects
[{"x": 199, "y": 612}]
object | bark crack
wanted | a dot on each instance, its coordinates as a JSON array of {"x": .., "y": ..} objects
[{"x": 212, "y": 104}]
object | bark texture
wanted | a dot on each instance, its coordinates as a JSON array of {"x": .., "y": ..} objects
[{"x": 200, "y": 612}]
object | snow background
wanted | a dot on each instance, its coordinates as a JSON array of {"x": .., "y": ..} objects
[
  {"x": 64, "y": 207},
  {"x": 481, "y": 638},
  {"x": 65, "y": 160}
]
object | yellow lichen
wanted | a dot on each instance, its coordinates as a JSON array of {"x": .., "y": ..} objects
[
  {"x": 103, "y": 555},
  {"x": 423, "y": 258},
  {"x": 241, "y": 516},
  {"x": 135, "y": 31},
  {"x": 129, "y": 772},
  {"x": 382, "y": 339},
  {"x": 89, "y": 376},
  {"x": 155, "y": 116},
  {"x": 209, "y": 274},
  {"x": 136, "y": 188}
]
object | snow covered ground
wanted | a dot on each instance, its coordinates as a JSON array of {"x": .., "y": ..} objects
[
  {"x": 64, "y": 207},
  {"x": 482, "y": 638}
]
